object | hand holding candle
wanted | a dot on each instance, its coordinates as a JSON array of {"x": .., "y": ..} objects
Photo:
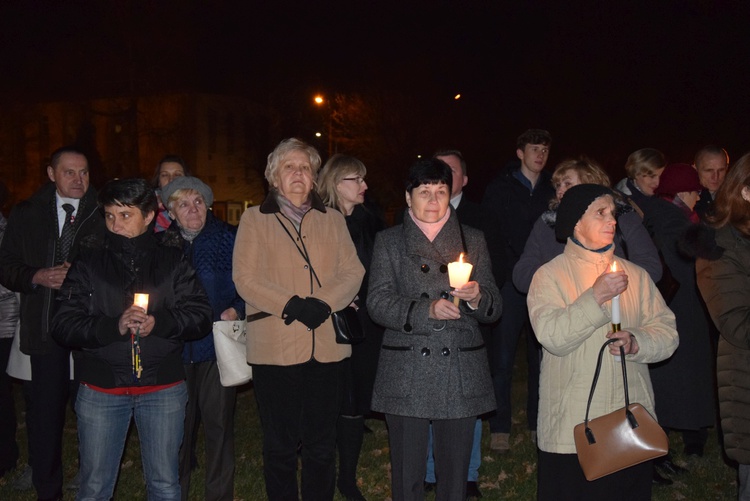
[{"x": 458, "y": 274}]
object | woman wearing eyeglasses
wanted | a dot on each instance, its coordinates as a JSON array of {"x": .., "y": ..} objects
[{"x": 342, "y": 186}]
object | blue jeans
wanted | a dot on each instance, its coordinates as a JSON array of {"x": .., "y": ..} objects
[
  {"x": 474, "y": 462},
  {"x": 505, "y": 336},
  {"x": 103, "y": 422}
]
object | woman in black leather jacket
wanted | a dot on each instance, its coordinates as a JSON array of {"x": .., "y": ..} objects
[{"x": 131, "y": 362}]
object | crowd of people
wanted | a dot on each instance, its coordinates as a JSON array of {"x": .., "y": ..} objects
[{"x": 108, "y": 300}]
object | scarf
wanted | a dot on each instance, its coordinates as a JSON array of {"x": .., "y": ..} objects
[
  {"x": 430, "y": 230},
  {"x": 294, "y": 213}
]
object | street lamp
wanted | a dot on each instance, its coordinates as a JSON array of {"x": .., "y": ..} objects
[{"x": 320, "y": 101}]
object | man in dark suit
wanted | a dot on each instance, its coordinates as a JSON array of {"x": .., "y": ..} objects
[{"x": 41, "y": 239}]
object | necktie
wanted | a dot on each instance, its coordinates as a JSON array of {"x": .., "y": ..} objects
[{"x": 66, "y": 235}]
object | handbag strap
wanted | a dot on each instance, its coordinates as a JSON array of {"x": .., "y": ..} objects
[
  {"x": 631, "y": 419},
  {"x": 302, "y": 252}
]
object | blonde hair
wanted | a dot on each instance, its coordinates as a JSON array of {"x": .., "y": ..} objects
[
  {"x": 588, "y": 170},
  {"x": 283, "y": 149},
  {"x": 644, "y": 161},
  {"x": 337, "y": 168}
]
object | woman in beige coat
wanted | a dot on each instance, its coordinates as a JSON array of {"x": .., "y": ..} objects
[
  {"x": 294, "y": 260},
  {"x": 569, "y": 305}
]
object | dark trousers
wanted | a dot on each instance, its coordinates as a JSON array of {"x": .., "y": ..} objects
[
  {"x": 213, "y": 405},
  {"x": 560, "y": 478},
  {"x": 505, "y": 336},
  {"x": 452, "y": 440},
  {"x": 50, "y": 384},
  {"x": 8, "y": 445},
  {"x": 299, "y": 405}
]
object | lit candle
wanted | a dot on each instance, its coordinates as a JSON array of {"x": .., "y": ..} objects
[
  {"x": 615, "y": 305},
  {"x": 141, "y": 300},
  {"x": 458, "y": 274}
]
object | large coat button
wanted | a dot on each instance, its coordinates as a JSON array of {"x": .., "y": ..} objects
[
  {"x": 425, "y": 268},
  {"x": 424, "y": 295},
  {"x": 425, "y": 352},
  {"x": 445, "y": 352},
  {"x": 443, "y": 268}
]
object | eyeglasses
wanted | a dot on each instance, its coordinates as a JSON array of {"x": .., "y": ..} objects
[{"x": 359, "y": 179}]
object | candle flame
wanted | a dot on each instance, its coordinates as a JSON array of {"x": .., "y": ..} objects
[
  {"x": 614, "y": 266},
  {"x": 461, "y": 258}
]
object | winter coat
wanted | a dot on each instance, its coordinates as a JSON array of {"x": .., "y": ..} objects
[
  {"x": 725, "y": 284},
  {"x": 268, "y": 269},
  {"x": 631, "y": 242},
  {"x": 432, "y": 369},
  {"x": 572, "y": 328},
  {"x": 100, "y": 286},
  {"x": 29, "y": 245},
  {"x": 515, "y": 210},
  {"x": 684, "y": 384},
  {"x": 210, "y": 253}
]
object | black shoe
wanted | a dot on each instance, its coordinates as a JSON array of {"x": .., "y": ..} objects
[
  {"x": 668, "y": 467},
  {"x": 659, "y": 480},
  {"x": 472, "y": 491},
  {"x": 429, "y": 486},
  {"x": 694, "y": 450}
]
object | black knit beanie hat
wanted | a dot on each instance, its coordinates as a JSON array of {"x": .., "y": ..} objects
[{"x": 573, "y": 206}]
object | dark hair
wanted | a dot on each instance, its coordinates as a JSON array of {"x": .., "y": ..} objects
[
  {"x": 134, "y": 192},
  {"x": 429, "y": 171},
  {"x": 729, "y": 206},
  {"x": 168, "y": 158},
  {"x": 59, "y": 152},
  {"x": 454, "y": 153},
  {"x": 711, "y": 149},
  {"x": 534, "y": 136}
]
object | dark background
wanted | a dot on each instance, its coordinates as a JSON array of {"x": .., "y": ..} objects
[{"x": 605, "y": 78}]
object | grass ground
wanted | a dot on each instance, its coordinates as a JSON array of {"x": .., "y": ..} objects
[{"x": 507, "y": 477}]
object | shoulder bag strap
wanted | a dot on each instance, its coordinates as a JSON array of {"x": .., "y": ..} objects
[{"x": 631, "y": 418}]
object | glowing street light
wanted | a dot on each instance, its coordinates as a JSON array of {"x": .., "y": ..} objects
[{"x": 319, "y": 101}]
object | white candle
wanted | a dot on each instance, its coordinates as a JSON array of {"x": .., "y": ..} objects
[
  {"x": 141, "y": 300},
  {"x": 459, "y": 273},
  {"x": 615, "y": 301}
]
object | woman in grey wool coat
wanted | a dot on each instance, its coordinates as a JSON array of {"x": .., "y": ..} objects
[{"x": 433, "y": 363}]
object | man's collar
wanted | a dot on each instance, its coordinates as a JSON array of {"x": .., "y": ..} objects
[
  {"x": 60, "y": 200},
  {"x": 456, "y": 201}
]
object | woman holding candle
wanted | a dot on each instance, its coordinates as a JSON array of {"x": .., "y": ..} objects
[
  {"x": 433, "y": 364},
  {"x": 208, "y": 244},
  {"x": 294, "y": 260},
  {"x": 569, "y": 306},
  {"x": 724, "y": 281},
  {"x": 130, "y": 364},
  {"x": 342, "y": 186}
]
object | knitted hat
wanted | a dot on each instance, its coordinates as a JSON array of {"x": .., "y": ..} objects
[
  {"x": 678, "y": 178},
  {"x": 574, "y": 204},
  {"x": 187, "y": 183}
]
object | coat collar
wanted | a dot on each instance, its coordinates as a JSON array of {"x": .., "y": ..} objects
[
  {"x": 575, "y": 251},
  {"x": 444, "y": 249},
  {"x": 271, "y": 206}
]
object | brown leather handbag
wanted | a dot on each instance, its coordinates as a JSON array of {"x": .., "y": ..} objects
[{"x": 620, "y": 439}]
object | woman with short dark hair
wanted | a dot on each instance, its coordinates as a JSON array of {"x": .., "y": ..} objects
[
  {"x": 433, "y": 363},
  {"x": 130, "y": 364}
]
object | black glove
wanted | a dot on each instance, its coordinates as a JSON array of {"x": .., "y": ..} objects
[
  {"x": 310, "y": 311},
  {"x": 293, "y": 309},
  {"x": 314, "y": 313}
]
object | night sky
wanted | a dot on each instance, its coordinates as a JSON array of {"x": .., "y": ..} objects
[{"x": 604, "y": 78}]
